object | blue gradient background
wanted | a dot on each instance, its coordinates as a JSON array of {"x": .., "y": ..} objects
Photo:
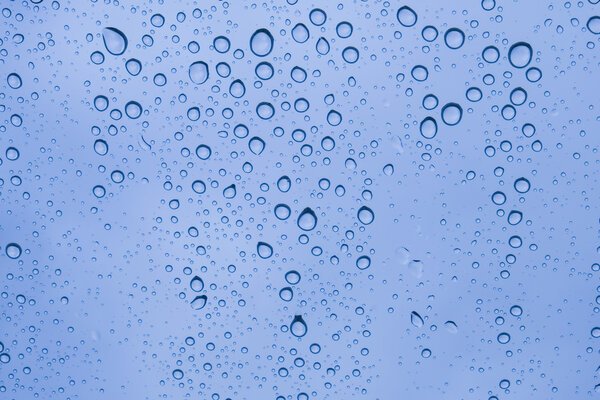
[{"x": 97, "y": 305}]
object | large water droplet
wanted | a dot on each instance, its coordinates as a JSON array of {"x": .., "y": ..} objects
[
  {"x": 522, "y": 185},
  {"x": 261, "y": 43},
  {"x": 451, "y": 114},
  {"x": 520, "y": 54},
  {"x": 115, "y": 41},
  {"x": 593, "y": 25},
  {"x": 256, "y": 145}
]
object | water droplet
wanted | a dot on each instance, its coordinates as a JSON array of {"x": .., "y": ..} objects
[
  {"x": 350, "y": 54},
  {"x": 261, "y": 43},
  {"x": 14, "y": 81},
  {"x": 519, "y": 54},
  {"x": 416, "y": 319},
  {"x": 237, "y": 89},
  {"x": 199, "y": 302},
  {"x": 503, "y": 338},
  {"x": 13, "y": 250},
  {"x": 282, "y": 211},
  {"x": 428, "y": 128},
  {"x": 451, "y": 114},
  {"x": 133, "y": 66},
  {"x": 516, "y": 311},
  {"x": 203, "y": 152},
  {"x": 133, "y": 109},
  {"x": 454, "y": 38},
  {"x": 264, "y": 250},
  {"x": 363, "y": 262},
  {"x": 256, "y": 145},
  {"x": 115, "y": 41},
  {"x": 298, "y": 326},
  {"x": 522, "y": 185},
  {"x": 198, "y": 186},
  {"x": 198, "y": 72},
  {"x": 101, "y": 147},
  {"x": 406, "y": 16},
  {"x": 307, "y": 220},
  {"x": 593, "y": 25},
  {"x": 286, "y": 294},
  {"x": 365, "y": 215},
  {"x": 292, "y": 277},
  {"x": 300, "y": 33},
  {"x": 451, "y": 326},
  {"x": 197, "y": 284}
]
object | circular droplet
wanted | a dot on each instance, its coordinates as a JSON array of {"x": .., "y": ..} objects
[
  {"x": 474, "y": 94},
  {"x": 292, "y": 277},
  {"x": 284, "y": 184},
  {"x": 221, "y": 44},
  {"x": 261, "y": 43},
  {"x": 365, "y": 215},
  {"x": 406, "y": 16},
  {"x": 101, "y": 103},
  {"x": 429, "y": 33},
  {"x": 198, "y": 72},
  {"x": 300, "y": 33},
  {"x": 344, "y": 29},
  {"x": 286, "y": 294},
  {"x": 593, "y": 25},
  {"x": 522, "y": 185},
  {"x": 203, "y": 152},
  {"x": 101, "y": 147},
  {"x": 503, "y": 338},
  {"x": 199, "y": 186},
  {"x": 265, "y": 110},
  {"x": 115, "y": 41},
  {"x": 516, "y": 311},
  {"x": 264, "y": 71},
  {"x": 498, "y": 198},
  {"x": 454, "y": 38},
  {"x": 282, "y": 211},
  {"x": 14, "y": 81},
  {"x": 490, "y": 54},
  {"x": 451, "y": 114},
  {"x": 133, "y": 109},
  {"x": 317, "y": 17},
  {"x": 419, "y": 73},
  {"x": 519, "y": 54},
  {"x": 350, "y": 54},
  {"x": 514, "y": 217},
  {"x": 13, "y": 250}
]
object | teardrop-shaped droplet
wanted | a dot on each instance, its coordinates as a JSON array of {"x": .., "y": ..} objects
[
  {"x": 284, "y": 183},
  {"x": 307, "y": 220},
  {"x": 298, "y": 326},
  {"x": 199, "y": 302},
  {"x": 229, "y": 192},
  {"x": 261, "y": 43},
  {"x": 256, "y": 145},
  {"x": 198, "y": 72},
  {"x": 264, "y": 250},
  {"x": 197, "y": 284},
  {"x": 115, "y": 41},
  {"x": 416, "y": 319}
]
